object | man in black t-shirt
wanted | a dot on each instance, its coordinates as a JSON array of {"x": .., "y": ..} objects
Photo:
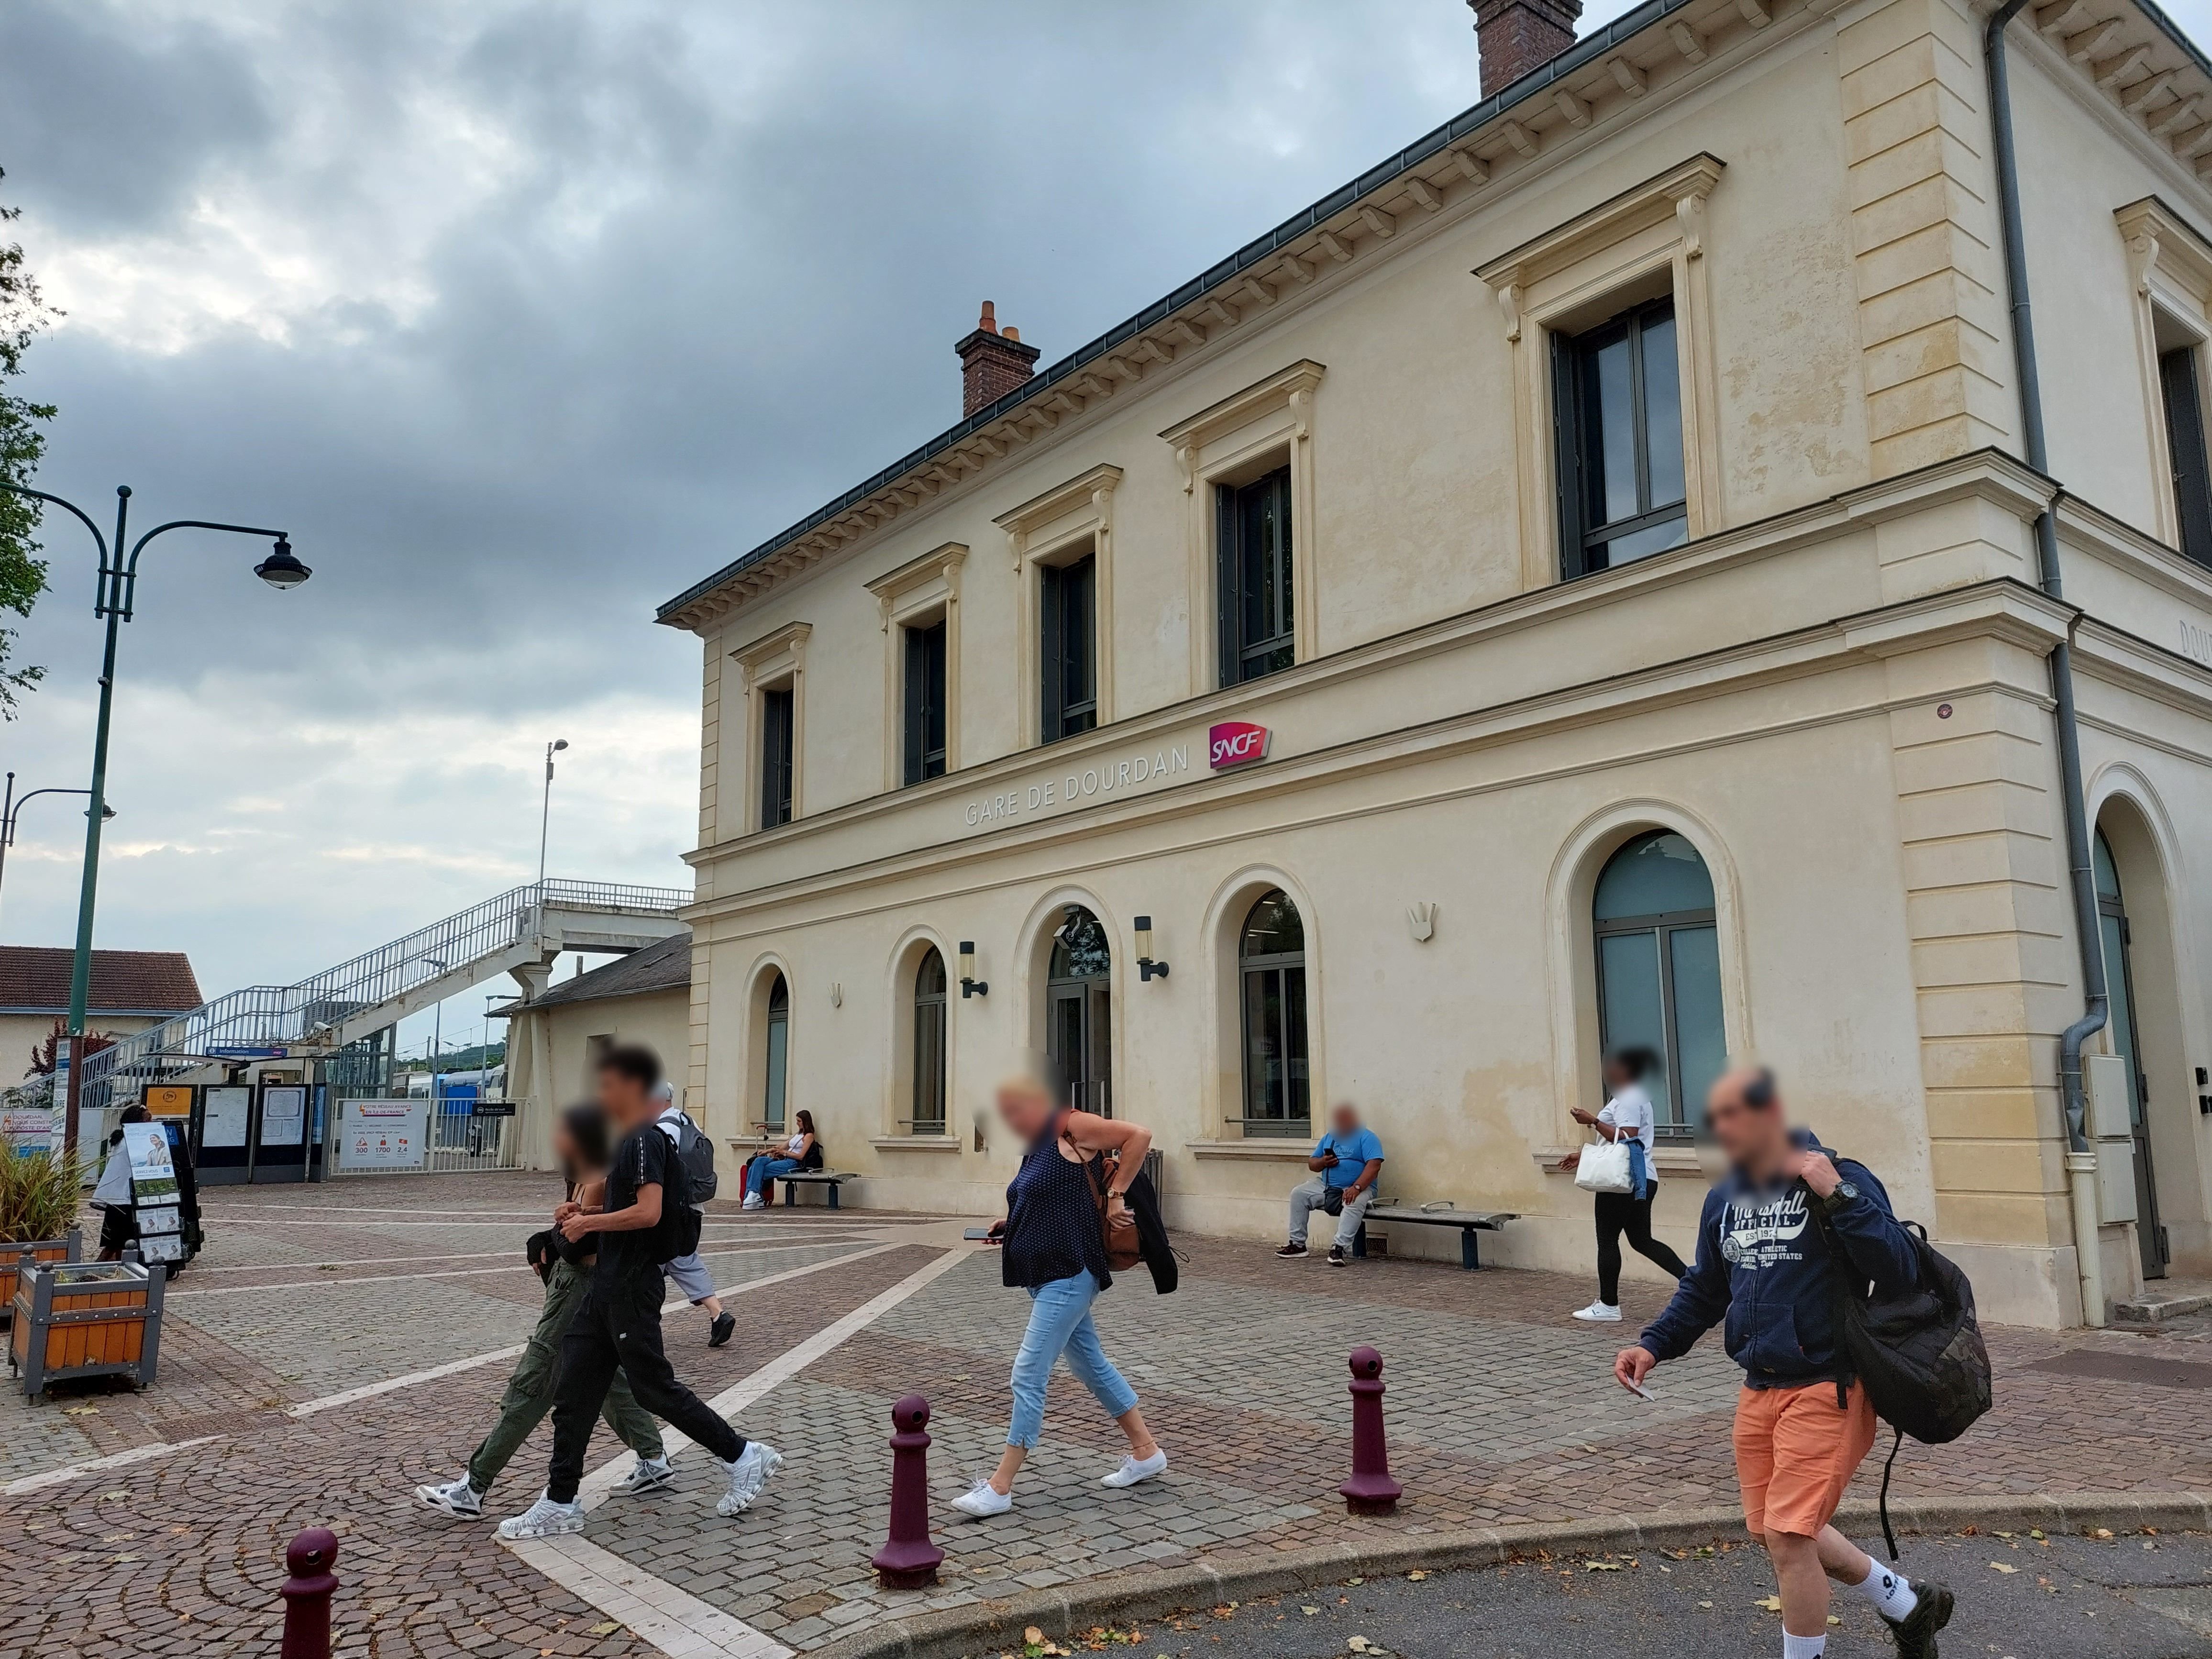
[{"x": 644, "y": 1223}]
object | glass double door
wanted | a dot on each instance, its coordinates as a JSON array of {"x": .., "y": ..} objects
[{"x": 1079, "y": 1038}]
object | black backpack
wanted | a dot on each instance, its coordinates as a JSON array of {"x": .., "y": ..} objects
[
  {"x": 696, "y": 1154},
  {"x": 1919, "y": 1353}
]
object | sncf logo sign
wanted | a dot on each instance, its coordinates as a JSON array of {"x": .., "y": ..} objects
[{"x": 1235, "y": 743}]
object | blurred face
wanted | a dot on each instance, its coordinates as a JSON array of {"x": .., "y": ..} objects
[
  {"x": 624, "y": 1099},
  {"x": 1617, "y": 1077},
  {"x": 564, "y": 1146},
  {"x": 1755, "y": 1137},
  {"x": 1024, "y": 1108},
  {"x": 1344, "y": 1118}
]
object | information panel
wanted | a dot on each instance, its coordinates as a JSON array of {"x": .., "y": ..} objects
[
  {"x": 283, "y": 1115},
  {"x": 229, "y": 1109},
  {"x": 382, "y": 1134}
]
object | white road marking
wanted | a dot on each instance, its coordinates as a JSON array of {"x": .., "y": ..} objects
[
  {"x": 200, "y": 1268},
  {"x": 115, "y": 1460},
  {"x": 680, "y": 1624},
  {"x": 450, "y": 1272}
]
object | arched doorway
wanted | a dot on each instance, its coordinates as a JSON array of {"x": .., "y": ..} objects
[
  {"x": 1271, "y": 961},
  {"x": 1659, "y": 970},
  {"x": 2125, "y": 1028},
  {"x": 1078, "y": 1011}
]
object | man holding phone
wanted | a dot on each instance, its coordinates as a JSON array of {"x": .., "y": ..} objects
[{"x": 1346, "y": 1164}]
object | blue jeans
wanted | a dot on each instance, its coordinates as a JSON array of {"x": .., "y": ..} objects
[
  {"x": 765, "y": 1170},
  {"x": 1060, "y": 1323}
]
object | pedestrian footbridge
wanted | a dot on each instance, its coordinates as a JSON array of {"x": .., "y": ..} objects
[{"x": 520, "y": 933}]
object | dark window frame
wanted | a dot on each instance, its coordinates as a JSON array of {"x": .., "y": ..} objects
[
  {"x": 775, "y": 1079},
  {"x": 2189, "y": 461},
  {"x": 1068, "y": 619},
  {"x": 779, "y": 725},
  {"x": 1255, "y": 591},
  {"x": 930, "y": 1098},
  {"x": 922, "y": 708},
  {"x": 1582, "y": 536},
  {"x": 1253, "y": 972}
]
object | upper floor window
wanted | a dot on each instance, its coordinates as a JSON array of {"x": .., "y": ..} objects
[
  {"x": 778, "y": 732},
  {"x": 1255, "y": 585},
  {"x": 1617, "y": 399},
  {"x": 923, "y": 710},
  {"x": 1069, "y": 657},
  {"x": 2180, "y": 387}
]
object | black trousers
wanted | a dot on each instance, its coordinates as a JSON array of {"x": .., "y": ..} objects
[
  {"x": 619, "y": 1326},
  {"x": 1618, "y": 1213}
]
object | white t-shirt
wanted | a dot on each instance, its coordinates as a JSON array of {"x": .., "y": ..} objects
[
  {"x": 114, "y": 1185},
  {"x": 1630, "y": 1111}
]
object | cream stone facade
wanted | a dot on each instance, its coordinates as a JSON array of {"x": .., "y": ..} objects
[{"x": 1836, "y": 689}]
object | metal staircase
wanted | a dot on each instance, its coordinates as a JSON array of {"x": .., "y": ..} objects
[{"x": 319, "y": 1016}]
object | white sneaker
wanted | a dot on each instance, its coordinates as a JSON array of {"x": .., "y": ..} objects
[
  {"x": 1134, "y": 1469},
  {"x": 544, "y": 1519},
  {"x": 457, "y": 1498},
  {"x": 982, "y": 1500},
  {"x": 1600, "y": 1313},
  {"x": 647, "y": 1474},
  {"x": 752, "y": 1202},
  {"x": 747, "y": 1476}
]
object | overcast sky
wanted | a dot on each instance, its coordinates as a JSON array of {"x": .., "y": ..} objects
[{"x": 523, "y": 316}]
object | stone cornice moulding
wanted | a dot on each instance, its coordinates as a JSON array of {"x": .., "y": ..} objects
[
  {"x": 1085, "y": 498},
  {"x": 2160, "y": 240},
  {"x": 1290, "y": 388},
  {"x": 763, "y": 654},
  {"x": 2085, "y": 529},
  {"x": 940, "y": 563},
  {"x": 2149, "y": 130}
]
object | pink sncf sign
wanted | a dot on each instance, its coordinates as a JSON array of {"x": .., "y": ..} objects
[{"x": 1236, "y": 743}]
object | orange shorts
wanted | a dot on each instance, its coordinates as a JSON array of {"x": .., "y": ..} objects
[{"x": 1796, "y": 1452}]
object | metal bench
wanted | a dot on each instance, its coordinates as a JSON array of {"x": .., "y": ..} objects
[
  {"x": 1469, "y": 1223},
  {"x": 827, "y": 1179}
]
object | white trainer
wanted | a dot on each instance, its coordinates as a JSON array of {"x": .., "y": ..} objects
[
  {"x": 752, "y": 1202},
  {"x": 647, "y": 1474},
  {"x": 544, "y": 1519},
  {"x": 1134, "y": 1469},
  {"x": 457, "y": 1498},
  {"x": 747, "y": 1476},
  {"x": 983, "y": 1500},
  {"x": 1600, "y": 1313}
]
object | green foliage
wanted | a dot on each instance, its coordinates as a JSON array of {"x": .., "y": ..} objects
[
  {"x": 39, "y": 1194},
  {"x": 23, "y": 312}
]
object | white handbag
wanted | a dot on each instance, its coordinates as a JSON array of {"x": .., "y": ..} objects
[{"x": 1605, "y": 1168}]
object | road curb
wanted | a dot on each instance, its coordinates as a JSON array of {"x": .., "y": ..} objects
[{"x": 994, "y": 1627}]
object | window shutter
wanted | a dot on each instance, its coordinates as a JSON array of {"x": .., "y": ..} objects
[
  {"x": 1567, "y": 450},
  {"x": 914, "y": 714},
  {"x": 1227, "y": 597},
  {"x": 1048, "y": 654}
]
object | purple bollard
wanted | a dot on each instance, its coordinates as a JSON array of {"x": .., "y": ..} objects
[
  {"x": 907, "y": 1559},
  {"x": 1370, "y": 1490},
  {"x": 308, "y": 1594}
]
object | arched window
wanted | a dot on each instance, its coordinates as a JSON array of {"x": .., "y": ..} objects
[
  {"x": 1659, "y": 970},
  {"x": 1271, "y": 960},
  {"x": 779, "y": 1051},
  {"x": 929, "y": 1044},
  {"x": 1078, "y": 1011}
]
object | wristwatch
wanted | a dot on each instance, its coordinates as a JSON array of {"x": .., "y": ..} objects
[{"x": 1844, "y": 1193}]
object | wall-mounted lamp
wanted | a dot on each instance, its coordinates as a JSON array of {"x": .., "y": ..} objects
[
  {"x": 970, "y": 985},
  {"x": 1146, "y": 968}
]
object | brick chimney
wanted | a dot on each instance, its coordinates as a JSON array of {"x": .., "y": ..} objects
[
  {"x": 1516, "y": 36},
  {"x": 992, "y": 363}
]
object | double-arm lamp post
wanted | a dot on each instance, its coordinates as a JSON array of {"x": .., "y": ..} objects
[
  {"x": 113, "y": 600},
  {"x": 11, "y": 809}
]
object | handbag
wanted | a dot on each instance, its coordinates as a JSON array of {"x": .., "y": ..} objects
[
  {"x": 1117, "y": 1229},
  {"x": 1605, "y": 1168},
  {"x": 1332, "y": 1200}
]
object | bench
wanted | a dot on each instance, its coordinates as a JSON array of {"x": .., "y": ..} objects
[
  {"x": 827, "y": 1179},
  {"x": 1469, "y": 1223}
]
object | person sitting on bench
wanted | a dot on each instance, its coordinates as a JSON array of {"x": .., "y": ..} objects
[
  {"x": 1346, "y": 1164},
  {"x": 801, "y": 1153}
]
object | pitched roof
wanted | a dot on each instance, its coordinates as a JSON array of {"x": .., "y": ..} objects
[
  {"x": 666, "y": 966},
  {"x": 35, "y": 979}
]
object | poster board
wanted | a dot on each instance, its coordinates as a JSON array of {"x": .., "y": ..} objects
[
  {"x": 382, "y": 1134},
  {"x": 283, "y": 1113},
  {"x": 230, "y": 1109},
  {"x": 154, "y": 1193},
  {"x": 29, "y": 1128},
  {"x": 168, "y": 1099}
]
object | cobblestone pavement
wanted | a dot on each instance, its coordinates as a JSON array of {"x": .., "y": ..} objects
[{"x": 291, "y": 1395}]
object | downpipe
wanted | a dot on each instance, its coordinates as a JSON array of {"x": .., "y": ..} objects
[{"x": 2081, "y": 1150}]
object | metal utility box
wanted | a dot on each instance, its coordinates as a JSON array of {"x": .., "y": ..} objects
[
  {"x": 85, "y": 1319},
  {"x": 2111, "y": 1126}
]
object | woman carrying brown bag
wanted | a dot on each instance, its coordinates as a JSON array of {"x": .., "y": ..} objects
[{"x": 1067, "y": 1199}]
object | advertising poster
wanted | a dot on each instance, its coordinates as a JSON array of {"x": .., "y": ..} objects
[
  {"x": 168, "y": 1099},
  {"x": 230, "y": 1107},
  {"x": 382, "y": 1134},
  {"x": 154, "y": 1192},
  {"x": 283, "y": 1115}
]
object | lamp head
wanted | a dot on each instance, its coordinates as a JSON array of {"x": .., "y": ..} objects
[
  {"x": 1144, "y": 936},
  {"x": 560, "y": 743},
  {"x": 280, "y": 569}
]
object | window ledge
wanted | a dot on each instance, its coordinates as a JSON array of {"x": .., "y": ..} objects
[
  {"x": 916, "y": 1143},
  {"x": 1255, "y": 1146},
  {"x": 1667, "y": 1160}
]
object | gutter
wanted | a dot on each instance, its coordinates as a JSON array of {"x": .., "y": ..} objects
[
  {"x": 2081, "y": 1152},
  {"x": 1575, "y": 58}
]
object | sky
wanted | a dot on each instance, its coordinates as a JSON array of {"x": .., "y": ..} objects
[{"x": 520, "y": 318}]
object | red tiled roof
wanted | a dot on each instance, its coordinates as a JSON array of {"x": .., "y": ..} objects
[{"x": 35, "y": 979}]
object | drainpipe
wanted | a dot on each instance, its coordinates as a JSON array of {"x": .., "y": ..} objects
[{"x": 2080, "y": 1153}]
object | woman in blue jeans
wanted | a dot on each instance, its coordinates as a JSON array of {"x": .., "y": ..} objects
[
  {"x": 798, "y": 1154},
  {"x": 1053, "y": 1249}
]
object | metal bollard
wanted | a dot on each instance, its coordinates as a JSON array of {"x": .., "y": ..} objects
[
  {"x": 1370, "y": 1490},
  {"x": 308, "y": 1594},
  {"x": 907, "y": 1559}
]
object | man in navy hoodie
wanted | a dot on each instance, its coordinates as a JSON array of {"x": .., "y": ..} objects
[{"x": 1803, "y": 1423}]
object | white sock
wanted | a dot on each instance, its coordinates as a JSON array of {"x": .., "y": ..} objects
[
  {"x": 1890, "y": 1592},
  {"x": 1803, "y": 1647}
]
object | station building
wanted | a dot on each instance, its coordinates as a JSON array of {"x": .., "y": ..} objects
[{"x": 1576, "y": 584}]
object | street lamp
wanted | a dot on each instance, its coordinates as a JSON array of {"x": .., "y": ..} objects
[
  {"x": 545, "y": 812},
  {"x": 113, "y": 600},
  {"x": 11, "y": 808}
]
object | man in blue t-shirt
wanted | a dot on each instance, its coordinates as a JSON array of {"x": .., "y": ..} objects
[{"x": 1346, "y": 1166}]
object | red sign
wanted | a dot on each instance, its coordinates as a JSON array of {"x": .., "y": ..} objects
[{"x": 1236, "y": 743}]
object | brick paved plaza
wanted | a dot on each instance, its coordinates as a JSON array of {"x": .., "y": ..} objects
[{"x": 318, "y": 1364}]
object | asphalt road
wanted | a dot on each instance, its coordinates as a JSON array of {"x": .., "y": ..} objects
[{"x": 2129, "y": 1597}]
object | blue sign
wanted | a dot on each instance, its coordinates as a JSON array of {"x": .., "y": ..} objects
[{"x": 246, "y": 1051}]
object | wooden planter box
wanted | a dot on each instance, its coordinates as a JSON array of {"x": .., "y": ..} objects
[
  {"x": 85, "y": 1319},
  {"x": 70, "y": 1249}
]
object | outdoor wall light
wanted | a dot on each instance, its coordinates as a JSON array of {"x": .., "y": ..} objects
[
  {"x": 1146, "y": 968},
  {"x": 970, "y": 985},
  {"x": 280, "y": 569}
]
